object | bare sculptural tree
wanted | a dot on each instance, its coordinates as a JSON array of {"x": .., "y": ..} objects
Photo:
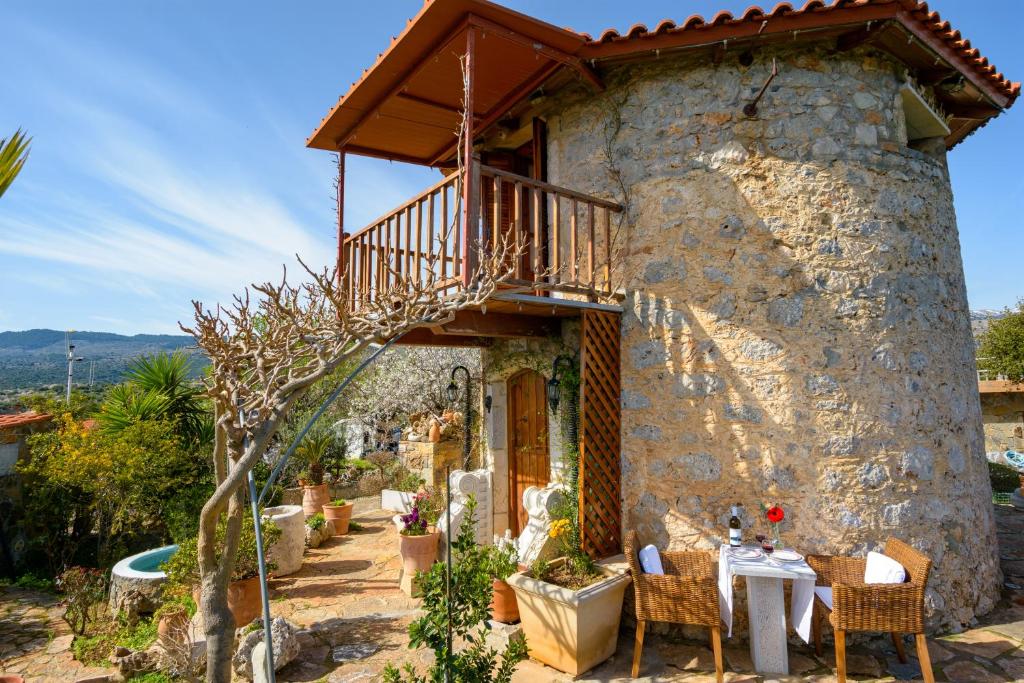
[{"x": 266, "y": 352}]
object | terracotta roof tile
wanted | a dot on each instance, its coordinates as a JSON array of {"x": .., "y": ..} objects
[
  {"x": 917, "y": 11},
  {"x": 22, "y": 419}
]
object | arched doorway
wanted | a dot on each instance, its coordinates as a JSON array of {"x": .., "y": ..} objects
[{"x": 528, "y": 462}]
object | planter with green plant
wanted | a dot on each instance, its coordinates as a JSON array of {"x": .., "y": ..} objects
[
  {"x": 317, "y": 530},
  {"x": 312, "y": 452},
  {"x": 417, "y": 543},
  {"x": 244, "y": 590},
  {"x": 339, "y": 512},
  {"x": 459, "y": 602},
  {"x": 502, "y": 562},
  {"x": 570, "y": 607}
]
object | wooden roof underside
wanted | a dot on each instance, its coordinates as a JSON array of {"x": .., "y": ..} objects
[{"x": 407, "y": 106}]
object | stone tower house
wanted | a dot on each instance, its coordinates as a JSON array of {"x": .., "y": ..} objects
[{"x": 794, "y": 320}]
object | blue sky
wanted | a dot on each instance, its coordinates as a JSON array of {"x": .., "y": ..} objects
[{"x": 168, "y": 160}]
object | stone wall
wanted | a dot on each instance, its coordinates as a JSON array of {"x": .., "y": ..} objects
[
  {"x": 501, "y": 360},
  {"x": 796, "y": 325},
  {"x": 1003, "y": 418},
  {"x": 428, "y": 460}
]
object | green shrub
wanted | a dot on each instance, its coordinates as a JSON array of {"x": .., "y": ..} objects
[
  {"x": 1004, "y": 479},
  {"x": 469, "y": 608},
  {"x": 316, "y": 522},
  {"x": 502, "y": 560},
  {"x": 83, "y": 590},
  {"x": 30, "y": 581},
  {"x": 183, "y": 566},
  {"x": 338, "y": 503}
]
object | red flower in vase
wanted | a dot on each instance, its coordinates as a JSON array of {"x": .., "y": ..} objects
[{"x": 775, "y": 514}]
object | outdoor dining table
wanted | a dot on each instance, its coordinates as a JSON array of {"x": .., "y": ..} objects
[{"x": 766, "y": 604}]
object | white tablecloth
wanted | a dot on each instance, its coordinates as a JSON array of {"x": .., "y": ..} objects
[{"x": 800, "y": 572}]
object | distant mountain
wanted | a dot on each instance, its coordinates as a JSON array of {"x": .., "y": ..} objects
[{"x": 36, "y": 358}]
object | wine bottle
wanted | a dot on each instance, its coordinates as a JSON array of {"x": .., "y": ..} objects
[{"x": 735, "y": 528}]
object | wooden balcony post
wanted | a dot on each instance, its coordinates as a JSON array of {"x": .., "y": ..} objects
[
  {"x": 341, "y": 215},
  {"x": 471, "y": 183}
]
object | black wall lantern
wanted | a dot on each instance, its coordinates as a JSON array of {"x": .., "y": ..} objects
[
  {"x": 453, "y": 395},
  {"x": 554, "y": 384}
]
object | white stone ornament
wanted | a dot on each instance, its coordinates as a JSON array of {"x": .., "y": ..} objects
[{"x": 535, "y": 541}]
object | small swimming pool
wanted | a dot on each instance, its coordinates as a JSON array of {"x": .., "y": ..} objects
[
  {"x": 136, "y": 582},
  {"x": 150, "y": 560}
]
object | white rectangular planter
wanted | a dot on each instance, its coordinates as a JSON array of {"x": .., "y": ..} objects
[
  {"x": 572, "y": 631},
  {"x": 396, "y": 501}
]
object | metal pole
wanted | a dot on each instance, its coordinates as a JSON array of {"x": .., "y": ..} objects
[
  {"x": 267, "y": 637},
  {"x": 448, "y": 568}
]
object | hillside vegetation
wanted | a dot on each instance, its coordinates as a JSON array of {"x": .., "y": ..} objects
[{"x": 32, "y": 359}]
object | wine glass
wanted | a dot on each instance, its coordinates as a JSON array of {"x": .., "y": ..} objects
[
  {"x": 768, "y": 547},
  {"x": 760, "y": 538}
]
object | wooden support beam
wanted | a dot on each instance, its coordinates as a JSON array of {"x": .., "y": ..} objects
[
  {"x": 403, "y": 80},
  {"x": 390, "y": 156},
  {"x": 341, "y": 216},
  {"x": 426, "y": 101},
  {"x": 576, "y": 63},
  {"x": 854, "y": 39},
  {"x": 502, "y": 107},
  {"x": 503, "y": 325},
  {"x": 424, "y": 337}
]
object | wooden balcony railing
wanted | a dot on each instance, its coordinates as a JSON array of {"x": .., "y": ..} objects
[{"x": 565, "y": 236}]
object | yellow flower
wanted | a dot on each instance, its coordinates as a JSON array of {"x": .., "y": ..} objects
[{"x": 558, "y": 527}]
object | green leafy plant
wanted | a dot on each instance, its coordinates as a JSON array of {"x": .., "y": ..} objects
[
  {"x": 1004, "y": 479},
  {"x": 30, "y": 581},
  {"x": 354, "y": 526},
  {"x": 313, "y": 451},
  {"x": 338, "y": 503},
  {"x": 1001, "y": 351},
  {"x": 83, "y": 589},
  {"x": 466, "y": 610},
  {"x": 502, "y": 559},
  {"x": 183, "y": 566},
  {"x": 13, "y": 154},
  {"x": 159, "y": 386},
  {"x": 317, "y": 521}
]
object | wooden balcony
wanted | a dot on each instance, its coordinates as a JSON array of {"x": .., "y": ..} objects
[{"x": 564, "y": 238}]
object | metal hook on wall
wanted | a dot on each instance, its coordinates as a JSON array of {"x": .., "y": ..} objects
[{"x": 750, "y": 108}]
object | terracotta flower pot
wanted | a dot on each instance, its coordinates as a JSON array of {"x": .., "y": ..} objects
[
  {"x": 243, "y": 600},
  {"x": 314, "y": 498},
  {"x": 418, "y": 554},
  {"x": 11, "y": 678},
  {"x": 340, "y": 515},
  {"x": 171, "y": 627},
  {"x": 504, "y": 606}
]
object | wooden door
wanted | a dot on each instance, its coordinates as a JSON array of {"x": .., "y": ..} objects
[{"x": 528, "y": 463}]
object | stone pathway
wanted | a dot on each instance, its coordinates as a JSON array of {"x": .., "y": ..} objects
[
  {"x": 35, "y": 641},
  {"x": 354, "y": 620}
]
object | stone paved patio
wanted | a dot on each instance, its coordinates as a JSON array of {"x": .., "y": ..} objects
[{"x": 346, "y": 599}]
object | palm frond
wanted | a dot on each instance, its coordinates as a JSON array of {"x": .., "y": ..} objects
[
  {"x": 125, "y": 405},
  {"x": 13, "y": 153}
]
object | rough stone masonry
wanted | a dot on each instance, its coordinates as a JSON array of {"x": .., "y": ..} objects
[{"x": 796, "y": 325}]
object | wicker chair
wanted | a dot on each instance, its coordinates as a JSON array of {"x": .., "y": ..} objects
[
  {"x": 685, "y": 594},
  {"x": 857, "y": 606}
]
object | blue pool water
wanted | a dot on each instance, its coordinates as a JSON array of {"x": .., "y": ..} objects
[{"x": 151, "y": 561}]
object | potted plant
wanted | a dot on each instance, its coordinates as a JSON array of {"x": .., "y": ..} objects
[
  {"x": 570, "y": 607},
  {"x": 339, "y": 512},
  {"x": 502, "y": 562},
  {"x": 417, "y": 544},
  {"x": 312, "y": 452},
  {"x": 173, "y": 616},
  {"x": 244, "y": 590}
]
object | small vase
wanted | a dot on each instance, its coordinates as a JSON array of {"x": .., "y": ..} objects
[
  {"x": 434, "y": 436},
  {"x": 776, "y": 537}
]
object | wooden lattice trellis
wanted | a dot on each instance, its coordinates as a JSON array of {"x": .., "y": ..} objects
[{"x": 600, "y": 421}]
